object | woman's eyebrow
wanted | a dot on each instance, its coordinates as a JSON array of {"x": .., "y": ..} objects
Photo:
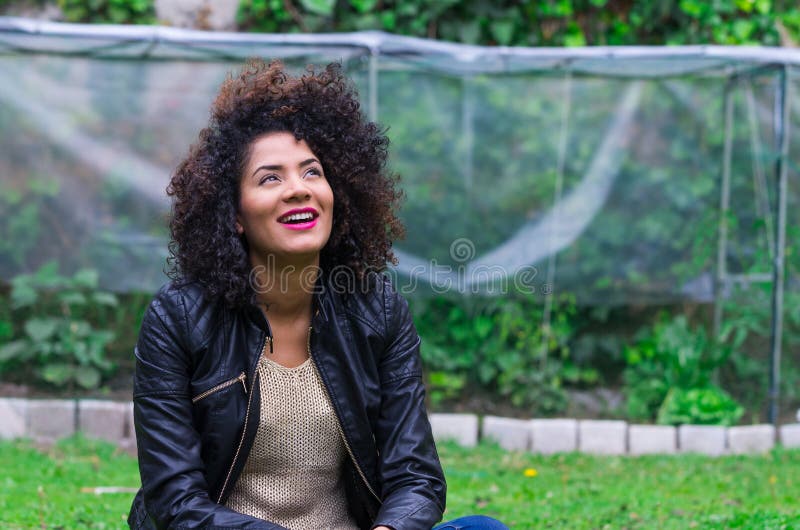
[
  {"x": 278, "y": 167},
  {"x": 309, "y": 161}
]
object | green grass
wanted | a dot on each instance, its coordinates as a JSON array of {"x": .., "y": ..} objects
[
  {"x": 45, "y": 489},
  {"x": 577, "y": 491}
]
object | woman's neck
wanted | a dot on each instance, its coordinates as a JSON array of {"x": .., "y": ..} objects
[{"x": 285, "y": 287}]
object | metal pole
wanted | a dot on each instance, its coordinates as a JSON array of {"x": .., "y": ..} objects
[
  {"x": 781, "y": 129},
  {"x": 468, "y": 130},
  {"x": 373, "y": 84},
  {"x": 551, "y": 260},
  {"x": 724, "y": 206},
  {"x": 760, "y": 185}
]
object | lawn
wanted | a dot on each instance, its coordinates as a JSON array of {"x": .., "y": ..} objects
[{"x": 55, "y": 489}]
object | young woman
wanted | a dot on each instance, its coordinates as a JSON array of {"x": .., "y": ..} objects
[{"x": 278, "y": 380}]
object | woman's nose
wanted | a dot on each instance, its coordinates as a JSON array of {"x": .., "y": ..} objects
[{"x": 297, "y": 189}]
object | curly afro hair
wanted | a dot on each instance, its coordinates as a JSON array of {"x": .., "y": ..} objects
[{"x": 320, "y": 107}]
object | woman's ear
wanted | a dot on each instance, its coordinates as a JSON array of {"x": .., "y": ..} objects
[{"x": 239, "y": 227}]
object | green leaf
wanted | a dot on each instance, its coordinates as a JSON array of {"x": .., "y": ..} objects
[
  {"x": 80, "y": 328},
  {"x": 13, "y": 350},
  {"x": 483, "y": 326},
  {"x": 704, "y": 406},
  {"x": 58, "y": 373},
  {"x": 72, "y": 298},
  {"x": 764, "y": 6},
  {"x": 87, "y": 377},
  {"x": 47, "y": 276},
  {"x": 86, "y": 278},
  {"x": 6, "y": 330},
  {"x": 80, "y": 352},
  {"x": 319, "y": 7},
  {"x": 470, "y": 32},
  {"x": 388, "y": 20},
  {"x": 367, "y": 22},
  {"x": 742, "y": 29},
  {"x": 502, "y": 31},
  {"x": 363, "y": 6},
  {"x": 486, "y": 372},
  {"x": 107, "y": 299},
  {"x": 101, "y": 337},
  {"x": 22, "y": 295},
  {"x": 41, "y": 329},
  {"x": 118, "y": 15},
  {"x": 693, "y": 8}
]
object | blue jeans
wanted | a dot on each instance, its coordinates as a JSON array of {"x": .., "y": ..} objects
[{"x": 472, "y": 522}]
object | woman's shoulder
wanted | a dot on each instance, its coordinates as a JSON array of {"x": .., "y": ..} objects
[
  {"x": 373, "y": 299},
  {"x": 179, "y": 292},
  {"x": 185, "y": 301},
  {"x": 183, "y": 310}
]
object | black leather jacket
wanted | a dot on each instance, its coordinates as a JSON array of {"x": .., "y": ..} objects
[{"x": 196, "y": 408}]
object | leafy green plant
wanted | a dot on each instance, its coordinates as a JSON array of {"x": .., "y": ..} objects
[
  {"x": 705, "y": 406},
  {"x": 531, "y": 23},
  {"x": 56, "y": 339},
  {"x": 19, "y": 235},
  {"x": 669, "y": 361},
  {"x": 443, "y": 386},
  {"x": 109, "y": 11},
  {"x": 498, "y": 346},
  {"x": 746, "y": 329}
]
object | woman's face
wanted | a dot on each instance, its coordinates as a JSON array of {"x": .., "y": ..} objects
[{"x": 286, "y": 206}]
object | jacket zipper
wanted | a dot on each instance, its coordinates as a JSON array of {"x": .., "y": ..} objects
[
  {"x": 355, "y": 462},
  {"x": 239, "y": 378},
  {"x": 341, "y": 430},
  {"x": 268, "y": 340}
]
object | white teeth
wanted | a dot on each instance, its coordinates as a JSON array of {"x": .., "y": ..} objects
[{"x": 305, "y": 216}]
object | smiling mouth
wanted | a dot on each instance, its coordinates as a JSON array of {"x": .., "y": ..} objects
[{"x": 298, "y": 218}]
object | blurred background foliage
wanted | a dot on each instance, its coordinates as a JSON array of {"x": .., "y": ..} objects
[
  {"x": 109, "y": 11},
  {"x": 538, "y": 23},
  {"x": 495, "y": 22},
  {"x": 483, "y": 354}
]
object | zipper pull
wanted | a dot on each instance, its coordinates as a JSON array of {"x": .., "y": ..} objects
[
  {"x": 242, "y": 379},
  {"x": 269, "y": 339}
]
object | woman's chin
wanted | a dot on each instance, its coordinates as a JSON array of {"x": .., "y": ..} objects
[{"x": 303, "y": 255}]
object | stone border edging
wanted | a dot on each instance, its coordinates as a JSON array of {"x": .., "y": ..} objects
[
  {"x": 612, "y": 437},
  {"x": 46, "y": 420}
]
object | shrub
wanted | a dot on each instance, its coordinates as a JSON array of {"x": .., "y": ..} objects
[
  {"x": 109, "y": 11},
  {"x": 703, "y": 406},
  {"x": 532, "y": 23},
  {"x": 669, "y": 374},
  {"x": 57, "y": 340},
  {"x": 498, "y": 346}
]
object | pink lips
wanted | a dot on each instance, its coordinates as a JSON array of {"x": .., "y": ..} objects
[{"x": 300, "y": 226}]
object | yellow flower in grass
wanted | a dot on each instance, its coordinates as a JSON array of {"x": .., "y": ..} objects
[{"x": 530, "y": 472}]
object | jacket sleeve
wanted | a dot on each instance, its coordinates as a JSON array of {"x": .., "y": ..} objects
[
  {"x": 173, "y": 484},
  {"x": 413, "y": 484}
]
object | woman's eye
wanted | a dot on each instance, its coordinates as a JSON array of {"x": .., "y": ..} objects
[
  {"x": 268, "y": 178},
  {"x": 314, "y": 172}
]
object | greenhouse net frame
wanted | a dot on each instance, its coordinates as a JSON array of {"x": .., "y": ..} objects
[{"x": 624, "y": 175}]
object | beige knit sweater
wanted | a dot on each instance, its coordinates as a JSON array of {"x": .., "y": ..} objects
[{"x": 292, "y": 476}]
